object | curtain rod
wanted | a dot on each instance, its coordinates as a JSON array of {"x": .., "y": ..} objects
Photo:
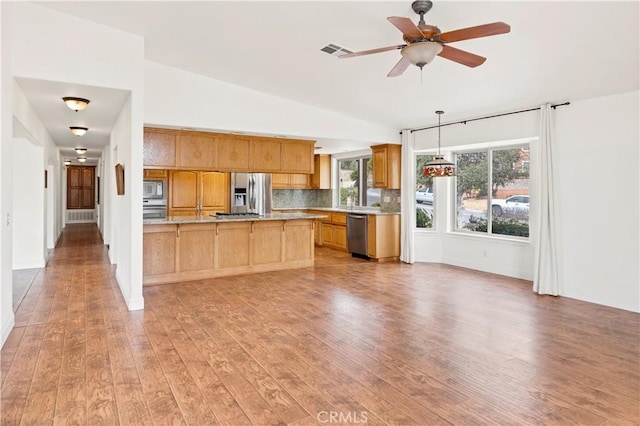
[{"x": 484, "y": 118}]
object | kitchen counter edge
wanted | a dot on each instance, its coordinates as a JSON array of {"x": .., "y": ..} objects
[
  {"x": 173, "y": 220},
  {"x": 339, "y": 210}
]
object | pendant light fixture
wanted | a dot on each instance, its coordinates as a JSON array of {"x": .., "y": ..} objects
[
  {"x": 439, "y": 167},
  {"x": 78, "y": 131},
  {"x": 76, "y": 104}
]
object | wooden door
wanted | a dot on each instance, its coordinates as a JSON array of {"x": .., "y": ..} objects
[
  {"x": 159, "y": 149},
  {"x": 214, "y": 194},
  {"x": 326, "y": 233},
  {"x": 183, "y": 191},
  {"x": 340, "y": 236},
  {"x": 80, "y": 187},
  {"x": 196, "y": 152}
]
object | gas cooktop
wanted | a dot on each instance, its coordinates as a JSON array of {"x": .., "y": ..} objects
[{"x": 236, "y": 214}]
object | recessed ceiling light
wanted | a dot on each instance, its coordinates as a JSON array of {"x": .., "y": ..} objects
[
  {"x": 76, "y": 104},
  {"x": 78, "y": 131}
]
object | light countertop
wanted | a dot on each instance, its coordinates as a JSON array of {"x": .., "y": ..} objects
[{"x": 370, "y": 211}]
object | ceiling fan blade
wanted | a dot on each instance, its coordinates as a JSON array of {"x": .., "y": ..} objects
[
  {"x": 369, "y": 52},
  {"x": 461, "y": 57},
  {"x": 408, "y": 28},
  {"x": 475, "y": 32},
  {"x": 399, "y": 68}
]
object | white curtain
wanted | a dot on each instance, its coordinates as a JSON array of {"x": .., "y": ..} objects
[
  {"x": 407, "y": 193},
  {"x": 545, "y": 274}
]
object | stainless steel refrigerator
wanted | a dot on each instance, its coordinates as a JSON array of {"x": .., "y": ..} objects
[{"x": 251, "y": 193}]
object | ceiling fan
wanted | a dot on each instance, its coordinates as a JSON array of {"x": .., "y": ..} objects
[{"x": 424, "y": 42}]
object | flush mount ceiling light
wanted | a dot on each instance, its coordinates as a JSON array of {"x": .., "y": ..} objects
[
  {"x": 439, "y": 167},
  {"x": 78, "y": 131},
  {"x": 81, "y": 151},
  {"x": 76, "y": 104},
  {"x": 67, "y": 162},
  {"x": 82, "y": 159}
]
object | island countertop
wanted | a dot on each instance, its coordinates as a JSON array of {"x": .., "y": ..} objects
[
  {"x": 358, "y": 210},
  {"x": 176, "y": 220}
]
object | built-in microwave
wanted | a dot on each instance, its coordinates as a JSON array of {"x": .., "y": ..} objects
[{"x": 153, "y": 190}]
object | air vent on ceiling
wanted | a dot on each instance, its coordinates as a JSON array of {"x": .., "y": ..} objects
[{"x": 335, "y": 50}]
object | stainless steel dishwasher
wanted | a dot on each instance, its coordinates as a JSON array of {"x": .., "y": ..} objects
[{"x": 357, "y": 234}]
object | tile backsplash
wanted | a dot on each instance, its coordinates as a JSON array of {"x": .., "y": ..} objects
[
  {"x": 300, "y": 198},
  {"x": 303, "y": 198}
]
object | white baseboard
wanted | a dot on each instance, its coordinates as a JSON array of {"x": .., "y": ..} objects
[{"x": 7, "y": 326}]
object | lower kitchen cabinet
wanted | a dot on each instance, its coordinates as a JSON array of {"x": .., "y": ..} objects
[
  {"x": 195, "y": 251},
  {"x": 383, "y": 237},
  {"x": 333, "y": 231}
]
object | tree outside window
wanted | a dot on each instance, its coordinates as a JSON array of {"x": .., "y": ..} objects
[
  {"x": 493, "y": 200},
  {"x": 425, "y": 216}
]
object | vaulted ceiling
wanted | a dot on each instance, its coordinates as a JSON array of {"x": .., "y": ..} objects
[{"x": 556, "y": 51}]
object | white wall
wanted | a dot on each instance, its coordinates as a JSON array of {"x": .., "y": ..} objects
[
  {"x": 6, "y": 144},
  {"x": 28, "y": 205},
  {"x": 103, "y": 57},
  {"x": 599, "y": 242},
  {"x": 597, "y": 148},
  {"x": 179, "y": 98}
]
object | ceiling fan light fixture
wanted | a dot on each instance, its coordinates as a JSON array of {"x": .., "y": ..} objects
[
  {"x": 78, "y": 131},
  {"x": 439, "y": 167},
  {"x": 76, "y": 104},
  {"x": 421, "y": 53}
]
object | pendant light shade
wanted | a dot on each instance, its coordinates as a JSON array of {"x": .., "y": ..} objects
[
  {"x": 439, "y": 167},
  {"x": 78, "y": 131},
  {"x": 420, "y": 54},
  {"x": 76, "y": 104}
]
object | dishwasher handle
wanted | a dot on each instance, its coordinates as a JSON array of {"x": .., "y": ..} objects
[{"x": 357, "y": 216}]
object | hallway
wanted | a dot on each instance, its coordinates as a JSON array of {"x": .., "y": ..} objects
[{"x": 377, "y": 343}]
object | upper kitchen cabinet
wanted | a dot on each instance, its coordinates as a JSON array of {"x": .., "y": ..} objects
[
  {"x": 321, "y": 178},
  {"x": 297, "y": 156},
  {"x": 233, "y": 153},
  {"x": 196, "y": 151},
  {"x": 159, "y": 148},
  {"x": 265, "y": 155},
  {"x": 386, "y": 166}
]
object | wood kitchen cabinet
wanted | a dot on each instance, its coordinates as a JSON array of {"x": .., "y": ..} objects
[
  {"x": 321, "y": 177},
  {"x": 290, "y": 181},
  {"x": 386, "y": 166},
  {"x": 265, "y": 155},
  {"x": 159, "y": 148},
  {"x": 233, "y": 153},
  {"x": 197, "y": 192},
  {"x": 159, "y": 250},
  {"x": 196, "y": 246},
  {"x": 196, "y": 151},
  {"x": 155, "y": 174},
  {"x": 383, "y": 237},
  {"x": 297, "y": 156},
  {"x": 333, "y": 231}
]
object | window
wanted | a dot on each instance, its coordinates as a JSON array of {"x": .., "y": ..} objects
[
  {"x": 424, "y": 195},
  {"x": 493, "y": 200},
  {"x": 355, "y": 177}
]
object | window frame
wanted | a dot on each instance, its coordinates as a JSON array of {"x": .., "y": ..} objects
[
  {"x": 362, "y": 180},
  {"x": 434, "y": 228},
  {"x": 526, "y": 147}
]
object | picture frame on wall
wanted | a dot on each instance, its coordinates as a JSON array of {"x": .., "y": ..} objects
[{"x": 119, "y": 179}]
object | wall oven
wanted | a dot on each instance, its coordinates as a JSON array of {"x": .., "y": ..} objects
[{"x": 154, "y": 199}]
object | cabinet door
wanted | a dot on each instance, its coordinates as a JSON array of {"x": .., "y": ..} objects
[
  {"x": 196, "y": 244},
  {"x": 233, "y": 243},
  {"x": 280, "y": 180},
  {"x": 297, "y": 156},
  {"x": 298, "y": 244},
  {"x": 159, "y": 149},
  {"x": 379, "y": 157},
  {"x": 340, "y": 236},
  {"x": 196, "y": 152},
  {"x": 183, "y": 190},
  {"x": 326, "y": 233},
  {"x": 233, "y": 154},
  {"x": 214, "y": 191},
  {"x": 159, "y": 249},
  {"x": 321, "y": 178},
  {"x": 155, "y": 174},
  {"x": 266, "y": 242},
  {"x": 298, "y": 180},
  {"x": 265, "y": 155}
]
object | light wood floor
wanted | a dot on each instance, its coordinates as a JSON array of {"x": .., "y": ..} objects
[{"x": 346, "y": 341}]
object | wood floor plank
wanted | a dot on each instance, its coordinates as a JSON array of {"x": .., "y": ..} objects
[{"x": 360, "y": 341}]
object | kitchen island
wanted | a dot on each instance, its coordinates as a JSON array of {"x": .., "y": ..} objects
[{"x": 195, "y": 248}]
